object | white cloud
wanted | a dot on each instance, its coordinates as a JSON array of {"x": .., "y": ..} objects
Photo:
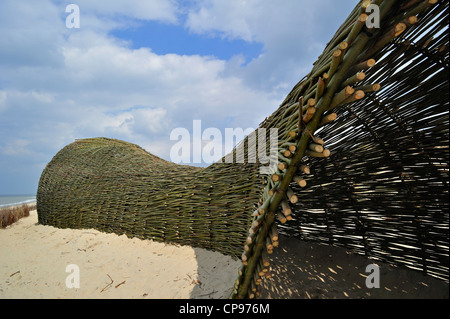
[
  {"x": 292, "y": 32},
  {"x": 29, "y": 33},
  {"x": 136, "y": 122},
  {"x": 121, "y": 78},
  {"x": 148, "y": 120},
  {"x": 96, "y": 90},
  {"x": 16, "y": 147},
  {"x": 266, "y": 20},
  {"x": 231, "y": 18},
  {"x": 59, "y": 84},
  {"x": 160, "y": 10}
]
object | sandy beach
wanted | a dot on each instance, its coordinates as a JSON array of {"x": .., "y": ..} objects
[{"x": 34, "y": 260}]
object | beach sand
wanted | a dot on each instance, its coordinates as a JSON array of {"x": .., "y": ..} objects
[{"x": 33, "y": 261}]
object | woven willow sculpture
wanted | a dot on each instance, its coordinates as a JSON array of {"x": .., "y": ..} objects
[{"x": 382, "y": 190}]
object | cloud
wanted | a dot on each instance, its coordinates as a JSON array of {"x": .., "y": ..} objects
[
  {"x": 59, "y": 84},
  {"x": 16, "y": 147},
  {"x": 159, "y": 10},
  {"x": 292, "y": 32},
  {"x": 267, "y": 21},
  {"x": 29, "y": 34},
  {"x": 228, "y": 18}
]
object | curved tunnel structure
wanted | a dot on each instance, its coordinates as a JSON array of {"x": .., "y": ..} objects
[{"x": 118, "y": 187}]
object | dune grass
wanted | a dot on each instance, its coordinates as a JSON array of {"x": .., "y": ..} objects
[{"x": 10, "y": 215}]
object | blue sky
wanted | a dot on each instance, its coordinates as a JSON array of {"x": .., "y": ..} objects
[
  {"x": 167, "y": 38},
  {"x": 136, "y": 70}
]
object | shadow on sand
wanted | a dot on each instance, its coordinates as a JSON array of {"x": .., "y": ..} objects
[
  {"x": 305, "y": 270},
  {"x": 216, "y": 275}
]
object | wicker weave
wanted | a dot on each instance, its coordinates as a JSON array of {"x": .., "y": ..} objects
[
  {"x": 383, "y": 192},
  {"x": 118, "y": 187}
]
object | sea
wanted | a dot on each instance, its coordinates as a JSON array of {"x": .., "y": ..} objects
[{"x": 10, "y": 200}]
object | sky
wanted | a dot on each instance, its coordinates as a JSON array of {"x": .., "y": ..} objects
[{"x": 136, "y": 70}]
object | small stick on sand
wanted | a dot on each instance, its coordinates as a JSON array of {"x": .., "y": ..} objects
[
  {"x": 14, "y": 273},
  {"x": 108, "y": 285}
]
